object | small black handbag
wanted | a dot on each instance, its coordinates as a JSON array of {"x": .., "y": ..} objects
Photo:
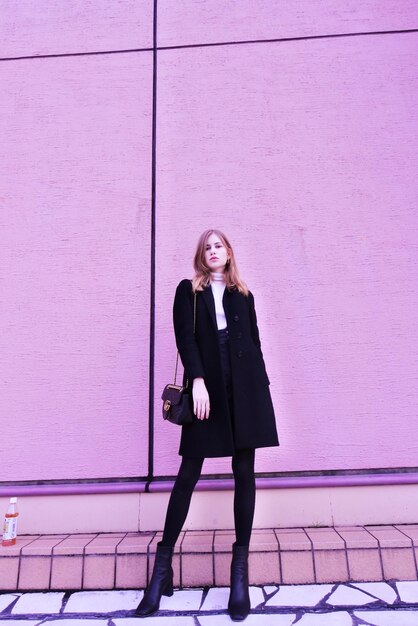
[{"x": 177, "y": 403}]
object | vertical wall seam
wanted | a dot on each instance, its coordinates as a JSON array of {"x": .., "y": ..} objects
[{"x": 152, "y": 257}]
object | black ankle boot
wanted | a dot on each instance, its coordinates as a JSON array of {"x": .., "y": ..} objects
[
  {"x": 161, "y": 583},
  {"x": 239, "y": 599}
]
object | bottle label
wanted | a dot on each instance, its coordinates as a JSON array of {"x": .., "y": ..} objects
[{"x": 10, "y": 528}]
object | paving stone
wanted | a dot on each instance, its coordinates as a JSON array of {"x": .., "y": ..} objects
[
  {"x": 217, "y": 598},
  {"x": 197, "y": 570},
  {"x": 388, "y": 618},
  {"x": 364, "y": 564},
  {"x": 76, "y": 622},
  {"x": 256, "y": 596},
  {"x": 297, "y": 567},
  {"x": 299, "y": 595},
  {"x": 408, "y": 591},
  {"x": 326, "y": 619},
  {"x": 264, "y": 567},
  {"x": 7, "y": 599},
  {"x": 398, "y": 564},
  {"x": 187, "y": 600},
  {"x": 34, "y": 603},
  {"x": 251, "y": 620},
  {"x": 330, "y": 566},
  {"x": 103, "y": 601},
  {"x": 26, "y": 622},
  {"x": 383, "y": 591},
  {"x": 153, "y": 621},
  {"x": 346, "y": 596},
  {"x": 9, "y": 571},
  {"x": 389, "y": 537}
]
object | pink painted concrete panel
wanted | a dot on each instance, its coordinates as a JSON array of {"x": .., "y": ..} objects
[
  {"x": 35, "y": 27},
  {"x": 306, "y": 157},
  {"x": 195, "y": 22},
  {"x": 75, "y": 226}
]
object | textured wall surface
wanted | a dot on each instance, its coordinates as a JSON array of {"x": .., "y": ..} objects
[
  {"x": 40, "y": 27},
  {"x": 316, "y": 188},
  {"x": 197, "y": 22},
  {"x": 303, "y": 151},
  {"x": 75, "y": 224}
]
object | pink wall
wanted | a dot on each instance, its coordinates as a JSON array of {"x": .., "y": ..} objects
[
  {"x": 40, "y": 27},
  {"x": 302, "y": 151},
  {"x": 75, "y": 224}
]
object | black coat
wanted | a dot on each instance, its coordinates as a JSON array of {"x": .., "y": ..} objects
[{"x": 254, "y": 424}]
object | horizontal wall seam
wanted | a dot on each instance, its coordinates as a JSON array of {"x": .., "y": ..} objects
[
  {"x": 286, "y": 39},
  {"x": 75, "y": 54},
  {"x": 209, "y": 45}
]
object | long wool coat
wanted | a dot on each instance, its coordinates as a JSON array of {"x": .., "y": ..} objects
[{"x": 252, "y": 424}]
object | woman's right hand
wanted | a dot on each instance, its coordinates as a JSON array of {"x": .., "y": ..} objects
[{"x": 201, "y": 404}]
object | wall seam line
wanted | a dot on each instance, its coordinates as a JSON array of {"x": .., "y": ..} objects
[
  {"x": 211, "y": 44},
  {"x": 152, "y": 257}
]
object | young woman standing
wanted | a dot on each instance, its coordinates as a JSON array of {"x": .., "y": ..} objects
[{"x": 231, "y": 402}]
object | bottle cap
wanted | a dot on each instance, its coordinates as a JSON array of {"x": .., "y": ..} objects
[{"x": 13, "y": 500}]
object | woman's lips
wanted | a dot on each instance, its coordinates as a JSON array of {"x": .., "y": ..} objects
[{"x": 214, "y": 258}]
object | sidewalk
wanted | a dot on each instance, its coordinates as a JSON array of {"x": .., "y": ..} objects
[{"x": 341, "y": 604}]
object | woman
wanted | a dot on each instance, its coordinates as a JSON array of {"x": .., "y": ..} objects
[{"x": 221, "y": 353}]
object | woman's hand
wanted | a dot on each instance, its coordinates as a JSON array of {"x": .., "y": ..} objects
[{"x": 200, "y": 399}]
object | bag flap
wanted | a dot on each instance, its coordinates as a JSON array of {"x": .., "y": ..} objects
[{"x": 173, "y": 393}]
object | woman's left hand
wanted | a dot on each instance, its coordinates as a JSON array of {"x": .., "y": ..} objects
[{"x": 200, "y": 399}]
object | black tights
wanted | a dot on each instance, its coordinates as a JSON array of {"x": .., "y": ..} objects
[{"x": 244, "y": 496}]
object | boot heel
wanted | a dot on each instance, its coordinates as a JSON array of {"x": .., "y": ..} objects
[
  {"x": 239, "y": 604},
  {"x": 161, "y": 582},
  {"x": 168, "y": 591}
]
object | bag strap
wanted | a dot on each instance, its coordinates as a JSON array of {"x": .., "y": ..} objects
[{"x": 194, "y": 331}]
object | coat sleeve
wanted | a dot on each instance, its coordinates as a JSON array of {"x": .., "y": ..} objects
[
  {"x": 183, "y": 330},
  {"x": 254, "y": 329},
  {"x": 253, "y": 319}
]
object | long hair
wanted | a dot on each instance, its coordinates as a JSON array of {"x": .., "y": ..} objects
[{"x": 201, "y": 278}]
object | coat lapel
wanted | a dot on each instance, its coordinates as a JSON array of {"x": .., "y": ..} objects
[{"x": 208, "y": 299}]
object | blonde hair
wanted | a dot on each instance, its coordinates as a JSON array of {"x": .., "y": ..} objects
[{"x": 201, "y": 278}]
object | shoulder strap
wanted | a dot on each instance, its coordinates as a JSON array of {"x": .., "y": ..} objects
[{"x": 194, "y": 331}]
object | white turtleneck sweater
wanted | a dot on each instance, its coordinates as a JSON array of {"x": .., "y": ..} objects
[{"x": 218, "y": 287}]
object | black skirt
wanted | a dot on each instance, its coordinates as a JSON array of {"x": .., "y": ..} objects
[{"x": 226, "y": 369}]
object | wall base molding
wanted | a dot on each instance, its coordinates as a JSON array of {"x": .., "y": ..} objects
[{"x": 275, "y": 508}]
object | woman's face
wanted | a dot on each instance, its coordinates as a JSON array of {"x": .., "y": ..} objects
[{"x": 216, "y": 255}]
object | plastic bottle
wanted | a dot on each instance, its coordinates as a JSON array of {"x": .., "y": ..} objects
[{"x": 10, "y": 524}]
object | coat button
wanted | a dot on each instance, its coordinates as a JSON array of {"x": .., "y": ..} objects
[
  {"x": 239, "y": 354},
  {"x": 236, "y": 318}
]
